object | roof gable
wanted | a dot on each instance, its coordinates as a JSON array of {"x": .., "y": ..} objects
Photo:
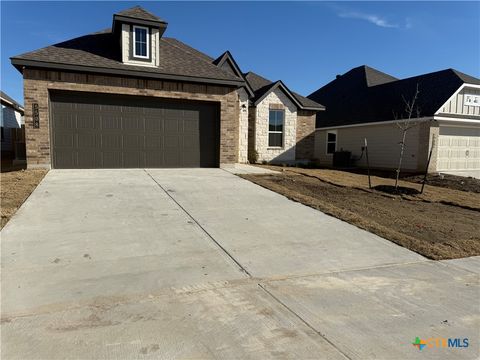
[
  {"x": 137, "y": 12},
  {"x": 262, "y": 87},
  {"x": 228, "y": 63}
]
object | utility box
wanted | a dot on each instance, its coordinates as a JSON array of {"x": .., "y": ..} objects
[{"x": 342, "y": 159}]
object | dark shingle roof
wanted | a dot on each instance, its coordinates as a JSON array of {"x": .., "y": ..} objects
[
  {"x": 100, "y": 50},
  {"x": 261, "y": 86},
  {"x": 138, "y": 12},
  {"x": 350, "y": 99}
]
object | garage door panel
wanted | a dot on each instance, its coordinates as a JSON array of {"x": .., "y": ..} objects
[
  {"x": 86, "y": 159},
  {"x": 172, "y": 142},
  {"x": 86, "y": 140},
  {"x": 65, "y": 159},
  {"x": 135, "y": 142},
  {"x": 134, "y": 159},
  {"x": 171, "y": 125},
  {"x": 112, "y": 131},
  {"x": 65, "y": 121},
  {"x": 111, "y": 122},
  {"x": 458, "y": 148},
  {"x": 153, "y": 124},
  {"x": 153, "y": 142},
  {"x": 110, "y": 159},
  {"x": 64, "y": 140},
  {"x": 111, "y": 141}
]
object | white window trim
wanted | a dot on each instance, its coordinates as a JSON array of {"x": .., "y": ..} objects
[
  {"x": 276, "y": 132},
  {"x": 135, "y": 42},
  {"x": 330, "y": 142}
]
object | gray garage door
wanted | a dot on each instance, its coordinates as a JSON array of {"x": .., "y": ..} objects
[{"x": 113, "y": 131}]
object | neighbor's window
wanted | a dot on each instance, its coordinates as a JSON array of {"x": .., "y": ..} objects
[
  {"x": 140, "y": 42},
  {"x": 331, "y": 141},
  {"x": 275, "y": 128}
]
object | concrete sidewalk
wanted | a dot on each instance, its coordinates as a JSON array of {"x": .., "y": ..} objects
[{"x": 198, "y": 263}]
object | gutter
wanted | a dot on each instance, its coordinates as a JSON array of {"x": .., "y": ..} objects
[
  {"x": 133, "y": 73},
  {"x": 428, "y": 118}
]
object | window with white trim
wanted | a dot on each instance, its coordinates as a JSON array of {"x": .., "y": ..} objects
[
  {"x": 331, "y": 141},
  {"x": 275, "y": 128},
  {"x": 140, "y": 42}
]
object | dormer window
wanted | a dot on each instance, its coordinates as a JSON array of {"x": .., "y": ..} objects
[
  {"x": 140, "y": 42},
  {"x": 139, "y": 33}
]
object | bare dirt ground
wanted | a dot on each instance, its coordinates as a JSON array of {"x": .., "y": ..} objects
[
  {"x": 449, "y": 181},
  {"x": 16, "y": 186},
  {"x": 441, "y": 223}
]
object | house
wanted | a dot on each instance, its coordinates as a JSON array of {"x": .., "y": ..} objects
[
  {"x": 11, "y": 118},
  {"x": 365, "y": 103},
  {"x": 130, "y": 97}
]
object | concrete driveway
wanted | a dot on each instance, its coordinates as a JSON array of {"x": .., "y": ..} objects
[{"x": 104, "y": 264}]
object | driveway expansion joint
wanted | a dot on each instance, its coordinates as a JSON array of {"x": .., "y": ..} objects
[
  {"x": 169, "y": 194},
  {"x": 306, "y": 323}
]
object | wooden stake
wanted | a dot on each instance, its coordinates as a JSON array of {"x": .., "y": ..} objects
[
  {"x": 428, "y": 164},
  {"x": 368, "y": 164}
]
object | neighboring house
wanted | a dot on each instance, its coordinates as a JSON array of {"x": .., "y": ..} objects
[
  {"x": 11, "y": 118},
  {"x": 365, "y": 103},
  {"x": 129, "y": 97}
]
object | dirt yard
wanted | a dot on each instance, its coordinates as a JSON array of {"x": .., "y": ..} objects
[
  {"x": 449, "y": 181},
  {"x": 441, "y": 223},
  {"x": 16, "y": 186}
]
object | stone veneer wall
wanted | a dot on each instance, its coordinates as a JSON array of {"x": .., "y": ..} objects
[
  {"x": 305, "y": 148},
  {"x": 37, "y": 84},
  {"x": 243, "y": 127},
  {"x": 275, "y": 154}
]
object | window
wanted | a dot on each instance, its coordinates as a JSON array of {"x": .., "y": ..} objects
[
  {"x": 275, "y": 128},
  {"x": 140, "y": 42},
  {"x": 331, "y": 141}
]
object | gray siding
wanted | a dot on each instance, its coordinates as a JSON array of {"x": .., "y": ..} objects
[
  {"x": 456, "y": 104},
  {"x": 9, "y": 119},
  {"x": 383, "y": 145}
]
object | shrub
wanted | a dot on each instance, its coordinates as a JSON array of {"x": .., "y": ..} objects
[{"x": 252, "y": 156}]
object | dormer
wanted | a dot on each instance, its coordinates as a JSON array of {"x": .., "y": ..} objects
[{"x": 139, "y": 33}]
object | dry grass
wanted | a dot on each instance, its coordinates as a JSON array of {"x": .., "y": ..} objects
[{"x": 16, "y": 186}]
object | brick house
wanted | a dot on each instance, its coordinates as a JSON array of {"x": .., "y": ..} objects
[{"x": 129, "y": 97}]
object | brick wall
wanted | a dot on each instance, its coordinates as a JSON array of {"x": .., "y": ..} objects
[
  {"x": 37, "y": 83},
  {"x": 305, "y": 135}
]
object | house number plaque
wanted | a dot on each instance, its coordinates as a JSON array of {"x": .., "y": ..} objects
[{"x": 36, "y": 116}]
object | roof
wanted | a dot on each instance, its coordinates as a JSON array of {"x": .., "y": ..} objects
[
  {"x": 99, "y": 52},
  {"x": 7, "y": 99},
  {"x": 261, "y": 87},
  {"x": 228, "y": 63},
  {"x": 364, "y": 95},
  {"x": 138, "y": 12}
]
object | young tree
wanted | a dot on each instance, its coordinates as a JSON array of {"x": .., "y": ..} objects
[{"x": 411, "y": 111}]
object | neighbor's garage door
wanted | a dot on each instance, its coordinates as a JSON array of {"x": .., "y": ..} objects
[
  {"x": 113, "y": 131},
  {"x": 458, "y": 148}
]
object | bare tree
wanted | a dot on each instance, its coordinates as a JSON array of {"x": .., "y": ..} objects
[{"x": 411, "y": 111}]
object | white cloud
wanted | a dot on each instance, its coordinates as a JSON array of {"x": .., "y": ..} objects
[{"x": 371, "y": 18}]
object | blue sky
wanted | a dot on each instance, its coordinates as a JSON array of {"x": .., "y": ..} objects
[{"x": 303, "y": 43}]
